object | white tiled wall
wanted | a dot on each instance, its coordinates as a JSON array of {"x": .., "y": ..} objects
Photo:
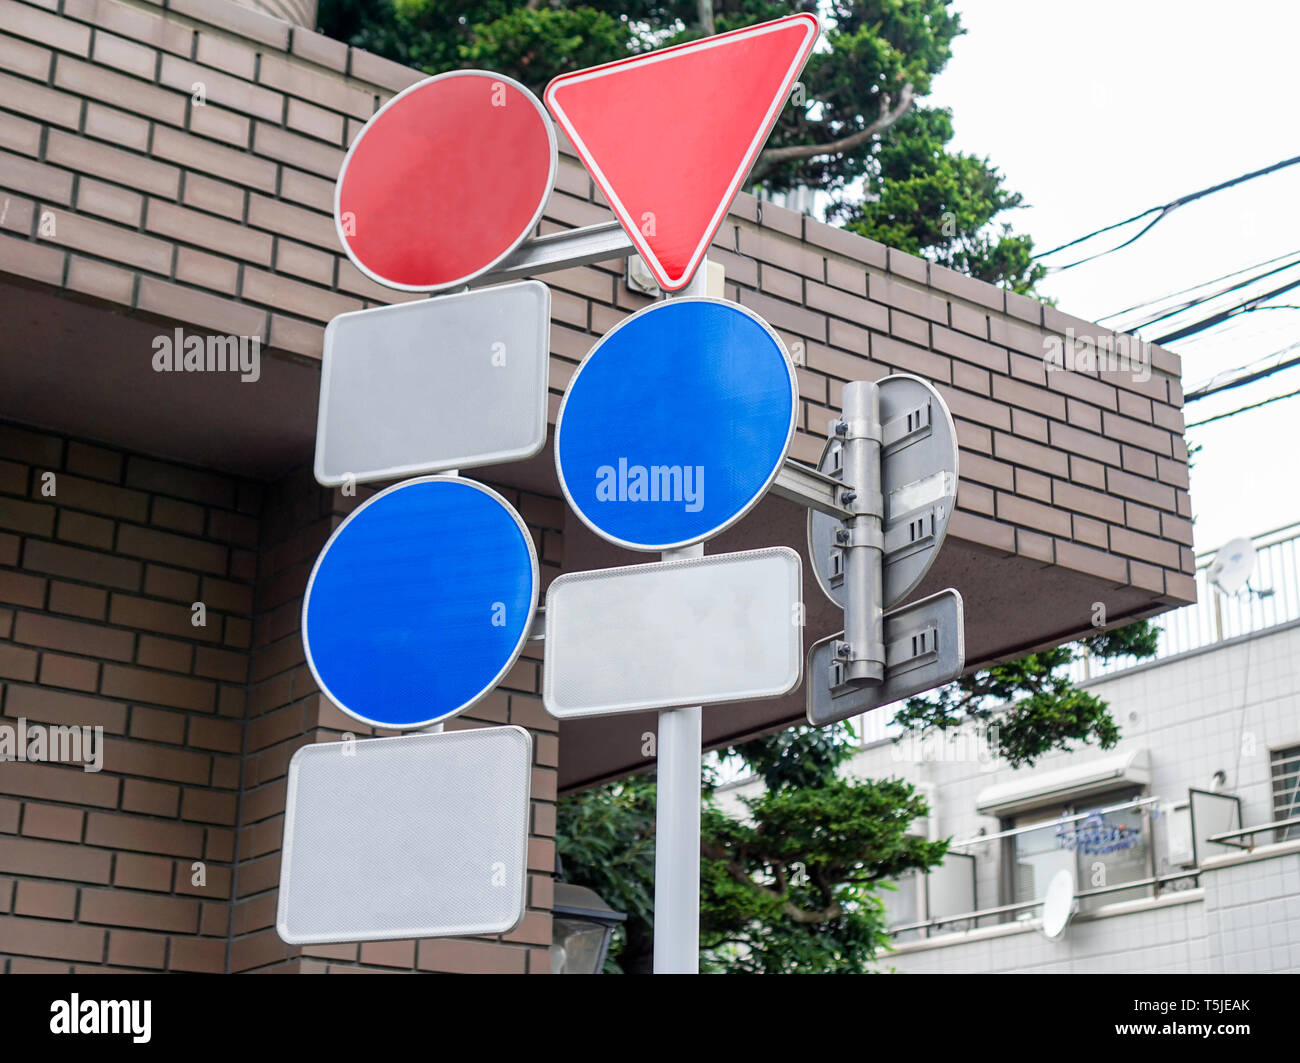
[
  {"x": 1220, "y": 710},
  {"x": 1169, "y": 939},
  {"x": 1252, "y": 920},
  {"x": 1246, "y": 919}
]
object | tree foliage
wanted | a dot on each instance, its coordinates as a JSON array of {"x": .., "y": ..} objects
[
  {"x": 1044, "y": 710},
  {"x": 606, "y": 841},
  {"x": 792, "y": 886}
]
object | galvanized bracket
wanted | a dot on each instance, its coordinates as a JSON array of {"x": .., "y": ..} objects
[
  {"x": 809, "y": 488},
  {"x": 914, "y": 650},
  {"x": 904, "y": 428},
  {"x": 562, "y": 250}
]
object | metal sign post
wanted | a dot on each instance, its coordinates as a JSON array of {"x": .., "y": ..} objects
[
  {"x": 677, "y": 805},
  {"x": 677, "y": 829},
  {"x": 864, "y": 543},
  {"x": 680, "y": 750}
]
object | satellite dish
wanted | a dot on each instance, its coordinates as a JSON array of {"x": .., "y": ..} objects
[
  {"x": 1059, "y": 905},
  {"x": 1232, "y": 566}
]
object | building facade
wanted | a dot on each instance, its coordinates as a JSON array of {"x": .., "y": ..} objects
[
  {"x": 169, "y": 166},
  {"x": 1182, "y": 842}
]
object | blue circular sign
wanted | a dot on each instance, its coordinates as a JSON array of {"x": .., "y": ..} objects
[
  {"x": 420, "y": 602},
  {"x": 676, "y": 423}
]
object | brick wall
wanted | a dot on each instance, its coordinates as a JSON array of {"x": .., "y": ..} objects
[
  {"x": 218, "y": 215},
  {"x": 97, "y": 584}
]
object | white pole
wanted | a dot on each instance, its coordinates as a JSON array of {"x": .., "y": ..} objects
[
  {"x": 677, "y": 832},
  {"x": 677, "y": 807}
]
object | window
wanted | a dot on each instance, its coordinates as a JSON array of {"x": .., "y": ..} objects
[
  {"x": 1101, "y": 849},
  {"x": 1286, "y": 790}
]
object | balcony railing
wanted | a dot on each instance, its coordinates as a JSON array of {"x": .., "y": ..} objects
[
  {"x": 1271, "y": 599},
  {"x": 1208, "y": 841},
  {"x": 1167, "y": 855}
]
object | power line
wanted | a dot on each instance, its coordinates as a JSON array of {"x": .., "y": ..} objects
[
  {"x": 1244, "y": 409},
  {"x": 1196, "y": 287},
  {"x": 1224, "y": 315},
  {"x": 1161, "y": 212},
  {"x": 1201, "y": 300},
  {"x": 1212, "y": 388}
]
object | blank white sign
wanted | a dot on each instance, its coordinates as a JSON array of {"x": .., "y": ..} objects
[
  {"x": 698, "y": 631},
  {"x": 452, "y": 382},
  {"x": 412, "y": 837}
]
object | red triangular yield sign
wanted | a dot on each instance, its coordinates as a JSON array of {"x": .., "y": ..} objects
[{"x": 668, "y": 136}]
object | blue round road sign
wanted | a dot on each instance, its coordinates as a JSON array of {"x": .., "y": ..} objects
[
  {"x": 676, "y": 423},
  {"x": 420, "y": 602}
]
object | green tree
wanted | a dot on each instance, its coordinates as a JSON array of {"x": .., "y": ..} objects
[
  {"x": 793, "y": 886},
  {"x": 857, "y": 131},
  {"x": 606, "y": 841},
  {"x": 1046, "y": 711}
]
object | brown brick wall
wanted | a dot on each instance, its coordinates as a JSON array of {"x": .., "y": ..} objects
[{"x": 97, "y": 581}]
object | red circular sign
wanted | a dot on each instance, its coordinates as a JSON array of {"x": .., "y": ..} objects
[{"x": 445, "y": 180}]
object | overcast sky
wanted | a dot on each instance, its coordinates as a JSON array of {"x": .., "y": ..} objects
[{"x": 1096, "y": 111}]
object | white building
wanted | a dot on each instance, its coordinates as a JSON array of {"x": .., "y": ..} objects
[{"x": 1183, "y": 841}]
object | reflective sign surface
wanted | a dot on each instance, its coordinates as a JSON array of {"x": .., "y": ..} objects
[
  {"x": 420, "y": 602},
  {"x": 676, "y": 423},
  {"x": 411, "y": 837},
  {"x": 691, "y": 632},
  {"x": 445, "y": 180},
  {"x": 446, "y": 383},
  {"x": 670, "y": 135}
]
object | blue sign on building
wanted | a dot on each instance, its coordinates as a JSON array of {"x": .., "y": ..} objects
[
  {"x": 420, "y": 602},
  {"x": 676, "y": 423}
]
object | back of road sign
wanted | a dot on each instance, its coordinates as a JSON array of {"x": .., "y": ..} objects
[
  {"x": 918, "y": 473},
  {"x": 676, "y": 423},
  {"x": 669, "y": 136},
  {"x": 925, "y": 647},
  {"x": 420, "y": 602},
  {"x": 445, "y": 180},
  {"x": 411, "y": 837},
  {"x": 697, "y": 631},
  {"x": 447, "y": 383}
]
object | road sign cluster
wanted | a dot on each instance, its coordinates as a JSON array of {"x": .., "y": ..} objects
[{"x": 673, "y": 427}]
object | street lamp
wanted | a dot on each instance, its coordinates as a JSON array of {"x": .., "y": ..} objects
[{"x": 582, "y": 924}]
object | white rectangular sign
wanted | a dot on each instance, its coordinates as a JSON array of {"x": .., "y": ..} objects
[
  {"x": 418, "y": 836},
  {"x": 698, "y": 631},
  {"x": 452, "y": 382}
]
